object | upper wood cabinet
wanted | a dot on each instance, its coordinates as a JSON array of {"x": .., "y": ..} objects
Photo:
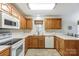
[
  {"x": 14, "y": 11},
  {"x": 48, "y": 24},
  {"x": 9, "y": 8},
  {"x": 29, "y": 23},
  {"x": 22, "y": 22},
  {"x": 53, "y": 23},
  {"x": 57, "y": 23}
]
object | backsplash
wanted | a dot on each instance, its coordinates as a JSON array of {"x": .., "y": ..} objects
[{"x": 15, "y": 33}]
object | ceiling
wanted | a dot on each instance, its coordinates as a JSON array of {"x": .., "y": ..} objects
[{"x": 59, "y": 9}]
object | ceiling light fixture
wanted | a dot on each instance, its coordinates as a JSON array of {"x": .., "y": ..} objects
[{"x": 41, "y": 6}]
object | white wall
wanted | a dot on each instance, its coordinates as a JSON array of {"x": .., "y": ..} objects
[{"x": 71, "y": 20}]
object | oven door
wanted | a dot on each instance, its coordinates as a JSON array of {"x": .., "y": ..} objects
[{"x": 17, "y": 49}]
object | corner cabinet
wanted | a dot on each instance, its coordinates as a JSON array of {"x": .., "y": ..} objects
[
  {"x": 66, "y": 47},
  {"x": 53, "y": 23}
]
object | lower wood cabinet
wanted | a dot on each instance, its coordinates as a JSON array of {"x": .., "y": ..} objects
[
  {"x": 66, "y": 47},
  {"x": 5, "y": 52},
  {"x": 35, "y": 42},
  {"x": 41, "y": 42},
  {"x": 26, "y": 44}
]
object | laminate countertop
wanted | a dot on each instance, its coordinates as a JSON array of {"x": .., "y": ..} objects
[
  {"x": 2, "y": 47},
  {"x": 65, "y": 37}
]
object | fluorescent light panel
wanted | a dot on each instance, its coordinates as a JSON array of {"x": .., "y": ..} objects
[{"x": 41, "y": 6}]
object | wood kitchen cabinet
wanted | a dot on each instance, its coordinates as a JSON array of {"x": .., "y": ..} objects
[
  {"x": 29, "y": 23},
  {"x": 26, "y": 44},
  {"x": 22, "y": 22},
  {"x": 66, "y": 47},
  {"x": 48, "y": 24},
  {"x": 9, "y": 8},
  {"x": 70, "y": 47},
  {"x": 53, "y": 23},
  {"x": 56, "y": 23},
  {"x": 77, "y": 47},
  {"x": 5, "y": 52},
  {"x": 33, "y": 42},
  {"x": 25, "y": 23},
  {"x": 41, "y": 42},
  {"x": 36, "y": 42}
]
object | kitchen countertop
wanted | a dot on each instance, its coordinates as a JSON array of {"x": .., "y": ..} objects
[
  {"x": 65, "y": 37},
  {"x": 2, "y": 47},
  {"x": 61, "y": 35}
]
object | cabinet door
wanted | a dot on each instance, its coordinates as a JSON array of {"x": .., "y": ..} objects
[
  {"x": 77, "y": 47},
  {"x": 29, "y": 23},
  {"x": 22, "y": 22},
  {"x": 41, "y": 42},
  {"x": 33, "y": 42},
  {"x": 55, "y": 42},
  {"x": 48, "y": 23},
  {"x": 56, "y": 23},
  {"x": 61, "y": 46},
  {"x": 70, "y": 47},
  {"x": 26, "y": 44},
  {"x": 52, "y": 23}
]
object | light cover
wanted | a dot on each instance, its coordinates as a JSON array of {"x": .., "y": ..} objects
[{"x": 41, "y": 6}]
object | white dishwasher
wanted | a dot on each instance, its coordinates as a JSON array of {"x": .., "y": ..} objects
[{"x": 49, "y": 42}]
